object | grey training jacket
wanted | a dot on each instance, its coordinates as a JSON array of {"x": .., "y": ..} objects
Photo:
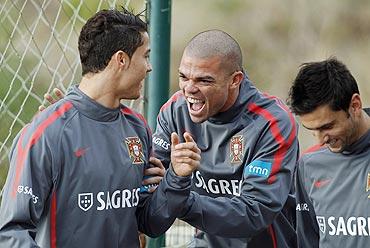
[
  {"x": 333, "y": 196},
  {"x": 74, "y": 180},
  {"x": 241, "y": 193}
]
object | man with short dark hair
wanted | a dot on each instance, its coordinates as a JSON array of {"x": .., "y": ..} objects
[
  {"x": 249, "y": 146},
  {"x": 333, "y": 177},
  {"x": 76, "y": 170}
]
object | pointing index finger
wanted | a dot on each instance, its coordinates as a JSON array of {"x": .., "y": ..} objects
[{"x": 188, "y": 137}]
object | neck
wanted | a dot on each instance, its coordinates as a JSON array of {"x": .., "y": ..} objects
[
  {"x": 364, "y": 126},
  {"x": 98, "y": 87},
  {"x": 231, "y": 100}
]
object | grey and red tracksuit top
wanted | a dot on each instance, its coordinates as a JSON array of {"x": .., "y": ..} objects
[
  {"x": 333, "y": 196},
  {"x": 241, "y": 193},
  {"x": 74, "y": 180}
]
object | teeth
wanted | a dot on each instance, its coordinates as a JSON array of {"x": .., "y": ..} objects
[{"x": 193, "y": 100}]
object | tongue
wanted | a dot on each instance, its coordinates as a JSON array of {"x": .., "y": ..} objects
[{"x": 196, "y": 106}]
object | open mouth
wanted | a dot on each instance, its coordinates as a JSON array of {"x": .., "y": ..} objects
[
  {"x": 334, "y": 145},
  {"x": 331, "y": 142},
  {"x": 195, "y": 105}
]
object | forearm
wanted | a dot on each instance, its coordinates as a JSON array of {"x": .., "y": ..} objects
[
  {"x": 238, "y": 217},
  {"x": 14, "y": 235},
  {"x": 159, "y": 210}
]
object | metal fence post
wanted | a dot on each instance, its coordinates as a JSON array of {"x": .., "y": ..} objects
[{"x": 157, "y": 85}]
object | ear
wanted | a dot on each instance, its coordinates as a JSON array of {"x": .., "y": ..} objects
[
  {"x": 356, "y": 104},
  {"x": 237, "y": 78},
  {"x": 121, "y": 60}
]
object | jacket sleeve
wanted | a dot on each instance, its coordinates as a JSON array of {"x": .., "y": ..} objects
[
  {"x": 157, "y": 211},
  {"x": 26, "y": 190},
  {"x": 307, "y": 228},
  {"x": 162, "y": 140},
  {"x": 267, "y": 180}
]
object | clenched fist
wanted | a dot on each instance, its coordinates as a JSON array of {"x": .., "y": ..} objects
[{"x": 185, "y": 157}]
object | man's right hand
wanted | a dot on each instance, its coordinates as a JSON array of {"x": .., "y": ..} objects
[
  {"x": 153, "y": 174},
  {"x": 51, "y": 99},
  {"x": 185, "y": 157}
]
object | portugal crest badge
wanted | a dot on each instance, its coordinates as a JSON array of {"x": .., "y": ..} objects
[
  {"x": 135, "y": 150},
  {"x": 85, "y": 201},
  {"x": 321, "y": 223},
  {"x": 236, "y": 149}
]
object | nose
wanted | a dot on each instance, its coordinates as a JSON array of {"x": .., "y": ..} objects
[
  {"x": 189, "y": 87},
  {"x": 321, "y": 136},
  {"x": 149, "y": 67}
]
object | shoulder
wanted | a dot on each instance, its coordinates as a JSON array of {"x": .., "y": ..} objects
[
  {"x": 177, "y": 100},
  {"x": 313, "y": 155},
  {"x": 61, "y": 109},
  {"x": 270, "y": 112},
  {"x": 314, "y": 151},
  {"x": 270, "y": 108},
  {"x": 175, "y": 107},
  {"x": 48, "y": 124},
  {"x": 134, "y": 117},
  {"x": 53, "y": 117}
]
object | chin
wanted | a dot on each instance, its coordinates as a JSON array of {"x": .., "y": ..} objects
[
  {"x": 136, "y": 95},
  {"x": 197, "y": 119},
  {"x": 336, "y": 149},
  {"x": 132, "y": 97}
]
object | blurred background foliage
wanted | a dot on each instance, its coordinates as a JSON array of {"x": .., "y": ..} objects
[{"x": 275, "y": 36}]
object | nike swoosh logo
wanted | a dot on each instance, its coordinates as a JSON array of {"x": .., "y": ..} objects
[
  {"x": 80, "y": 152},
  {"x": 321, "y": 183}
]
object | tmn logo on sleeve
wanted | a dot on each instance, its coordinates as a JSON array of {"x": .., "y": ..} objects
[
  {"x": 258, "y": 168},
  {"x": 135, "y": 150},
  {"x": 85, "y": 201}
]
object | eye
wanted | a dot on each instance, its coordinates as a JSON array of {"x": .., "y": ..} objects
[
  {"x": 206, "y": 82},
  {"x": 182, "y": 77},
  {"x": 327, "y": 127}
]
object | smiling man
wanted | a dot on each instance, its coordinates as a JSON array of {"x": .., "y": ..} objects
[
  {"x": 249, "y": 146},
  {"x": 333, "y": 178},
  {"x": 76, "y": 170}
]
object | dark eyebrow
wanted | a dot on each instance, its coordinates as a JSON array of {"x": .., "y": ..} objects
[
  {"x": 322, "y": 127},
  {"x": 181, "y": 74},
  {"x": 201, "y": 78},
  {"x": 205, "y": 78}
]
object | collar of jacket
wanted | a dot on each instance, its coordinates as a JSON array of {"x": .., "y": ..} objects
[
  {"x": 91, "y": 108},
  {"x": 361, "y": 145},
  {"x": 246, "y": 92}
]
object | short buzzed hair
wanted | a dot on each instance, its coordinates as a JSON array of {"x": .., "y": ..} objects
[{"x": 213, "y": 43}]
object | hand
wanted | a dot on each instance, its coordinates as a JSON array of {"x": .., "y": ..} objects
[
  {"x": 50, "y": 99},
  {"x": 185, "y": 157},
  {"x": 153, "y": 175},
  {"x": 142, "y": 240}
]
